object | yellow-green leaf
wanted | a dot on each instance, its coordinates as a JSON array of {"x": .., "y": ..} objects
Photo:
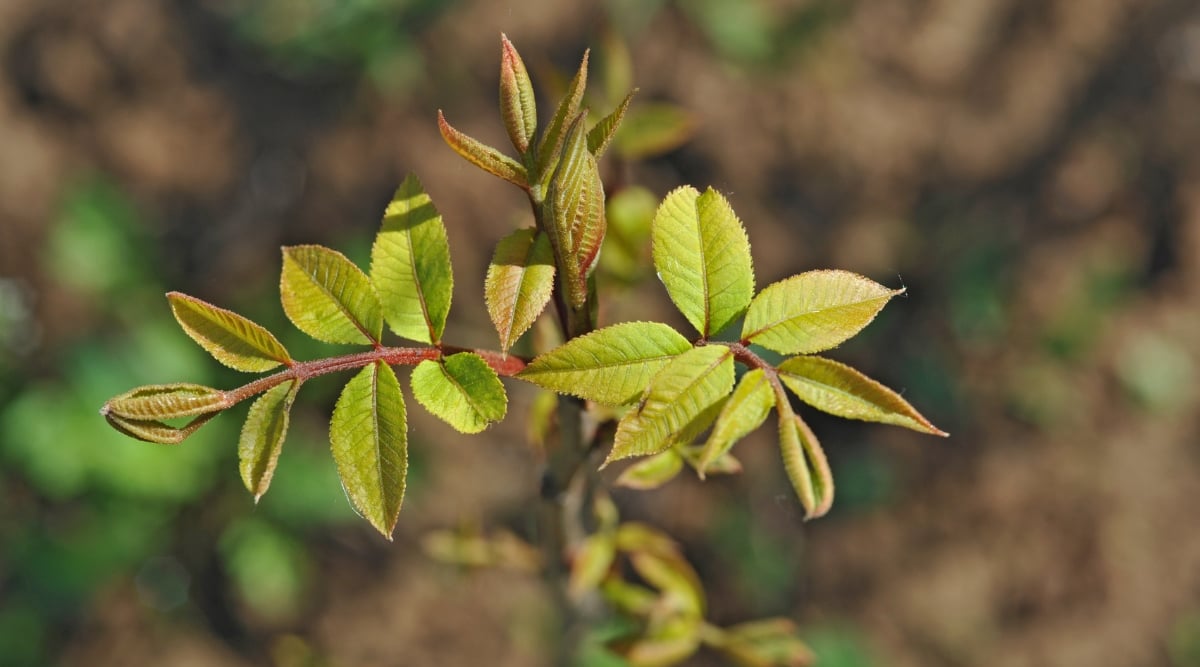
[
  {"x": 612, "y": 365},
  {"x": 152, "y": 430},
  {"x": 369, "y": 439},
  {"x": 166, "y": 401},
  {"x": 568, "y": 108},
  {"x": 410, "y": 265},
  {"x": 841, "y": 390},
  {"x": 519, "y": 284},
  {"x": 746, "y": 410},
  {"x": 674, "y": 576},
  {"x": 805, "y": 463},
  {"x": 461, "y": 390},
  {"x": 601, "y": 135},
  {"x": 329, "y": 298},
  {"x": 518, "y": 108},
  {"x": 813, "y": 311},
  {"x": 771, "y": 642},
  {"x": 483, "y": 156},
  {"x": 652, "y": 472},
  {"x": 262, "y": 436},
  {"x": 633, "y": 599},
  {"x": 590, "y": 563},
  {"x": 230, "y": 338},
  {"x": 668, "y": 646},
  {"x": 634, "y": 537},
  {"x": 702, "y": 256},
  {"x": 681, "y": 401}
]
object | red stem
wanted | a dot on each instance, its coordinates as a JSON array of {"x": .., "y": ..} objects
[{"x": 505, "y": 365}]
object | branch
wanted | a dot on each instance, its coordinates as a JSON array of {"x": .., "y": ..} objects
[{"x": 504, "y": 365}]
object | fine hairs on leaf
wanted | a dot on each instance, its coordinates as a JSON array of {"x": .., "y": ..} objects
[{"x": 669, "y": 399}]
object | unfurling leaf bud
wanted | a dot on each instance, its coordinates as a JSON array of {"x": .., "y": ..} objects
[
  {"x": 518, "y": 107},
  {"x": 166, "y": 401},
  {"x": 576, "y": 200}
]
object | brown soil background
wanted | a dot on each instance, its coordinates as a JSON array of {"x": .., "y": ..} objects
[{"x": 1046, "y": 141}]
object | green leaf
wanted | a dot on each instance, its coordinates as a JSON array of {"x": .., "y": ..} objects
[
  {"x": 152, "y": 430},
  {"x": 575, "y": 201},
  {"x": 590, "y": 563},
  {"x": 461, "y": 390},
  {"x": 805, "y": 463},
  {"x": 725, "y": 464},
  {"x": 813, "y": 311},
  {"x": 666, "y": 646},
  {"x": 601, "y": 135},
  {"x": 654, "y": 129},
  {"x": 612, "y": 365},
  {"x": 746, "y": 410},
  {"x": 631, "y": 599},
  {"x": 166, "y": 401},
  {"x": 518, "y": 108},
  {"x": 369, "y": 439},
  {"x": 483, "y": 156},
  {"x": 702, "y": 256},
  {"x": 771, "y": 642},
  {"x": 681, "y": 401},
  {"x": 674, "y": 576},
  {"x": 230, "y": 338},
  {"x": 410, "y": 265},
  {"x": 262, "y": 436},
  {"x": 329, "y": 298},
  {"x": 652, "y": 472},
  {"x": 519, "y": 284},
  {"x": 841, "y": 390},
  {"x": 568, "y": 108}
]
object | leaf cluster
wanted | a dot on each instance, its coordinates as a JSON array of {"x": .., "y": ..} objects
[
  {"x": 675, "y": 390},
  {"x": 680, "y": 399}
]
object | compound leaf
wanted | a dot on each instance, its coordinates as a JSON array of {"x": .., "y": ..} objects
[
  {"x": 519, "y": 284},
  {"x": 652, "y": 472},
  {"x": 461, "y": 390},
  {"x": 369, "y": 439},
  {"x": 166, "y": 401},
  {"x": 843, "y": 391},
  {"x": 410, "y": 265},
  {"x": 813, "y": 311},
  {"x": 746, "y": 410},
  {"x": 230, "y": 338},
  {"x": 805, "y": 463},
  {"x": 483, "y": 156},
  {"x": 262, "y": 436},
  {"x": 612, "y": 365},
  {"x": 681, "y": 401},
  {"x": 702, "y": 256},
  {"x": 329, "y": 298}
]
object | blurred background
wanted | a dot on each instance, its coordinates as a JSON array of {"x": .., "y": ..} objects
[{"x": 1029, "y": 169}]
